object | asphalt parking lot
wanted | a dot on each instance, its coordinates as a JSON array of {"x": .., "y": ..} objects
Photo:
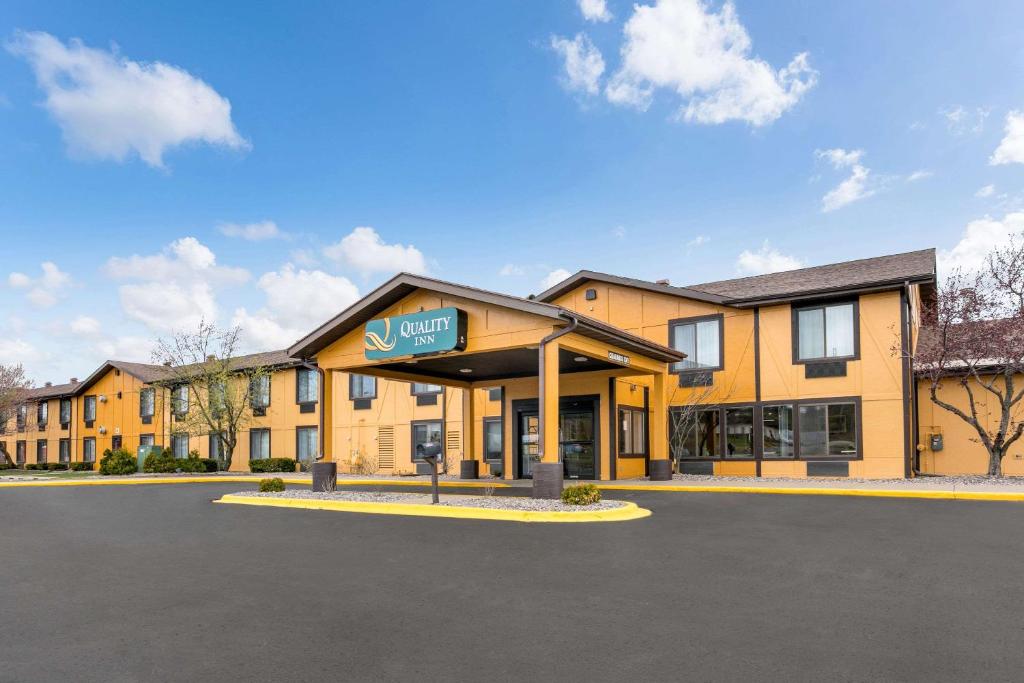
[{"x": 142, "y": 583}]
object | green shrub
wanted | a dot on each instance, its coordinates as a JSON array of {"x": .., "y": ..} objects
[
  {"x": 34, "y": 466},
  {"x": 82, "y": 466},
  {"x": 166, "y": 463},
  {"x": 272, "y": 465},
  {"x": 581, "y": 494},
  {"x": 275, "y": 485},
  {"x": 117, "y": 462},
  {"x": 6, "y": 466},
  {"x": 54, "y": 466}
]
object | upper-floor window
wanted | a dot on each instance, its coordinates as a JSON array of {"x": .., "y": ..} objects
[
  {"x": 89, "y": 409},
  {"x": 419, "y": 388},
  {"x": 825, "y": 331},
  {"x": 362, "y": 386},
  {"x": 22, "y": 417},
  {"x": 700, "y": 339},
  {"x": 147, "y": 402},
  {"x": 306, "y": 386},
  {"x": 65, "y": 412},
  {"x": 259, "y": 394},
  {"x": 179, "y": 400},
  {"x": 42, "y": 413}
]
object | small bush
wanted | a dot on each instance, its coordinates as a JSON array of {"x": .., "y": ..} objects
[
  {"x": 117, "y": 462},
  {"x": 35, "y": 466},
  {"x": 166, "y": 463},
  {"x": 581, "y": 494},
  {"x": 82, "y": 466},
  {"x": 272, "y": 465},
  {"x": 275, "y": 485},
  {"x": 54, "y": 466},
  {"x": 6, "y": 466}
]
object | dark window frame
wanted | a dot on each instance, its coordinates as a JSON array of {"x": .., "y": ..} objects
[
  {"x": 413, "y": 392},
  {"x": 188, "y": 443},
  {"x": 64, "y": 424},
  {"x": 858, "y": 415},
  {"x": 500, "y": 457},
  {"x": 61, "y": 445},
  {"x": 41, "y": 419},
  {"x": 693, "y": 320},
  {"x": 176, "y": 402},
  {"x": 86, "y": 401},
  {"x": 85, "y": 451},
  {"x": 21, "y": 417},
  {"x": 299, "y": 429},
  {"x": 270, "y": 437},
  {"x": 622, "y": 410},
  {"x": 351, "y": 392},
  {"x": 214, "y": 438},
  {"x": 260, "y": 409},
  {"x": 21, "y": 451},
  {"x": 151, "y": 435},
  {"x": 795, "y": 330},
  {"x": 306, "y": 406},
  {"x": 412, "y": 437},
  {"x": 42, "y": 451},
  {"x": 147, "y": 418}
]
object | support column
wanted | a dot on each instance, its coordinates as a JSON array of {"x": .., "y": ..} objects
[
  {"x": 547, "y": 474},
  {"x": 661, "y": 466},
  {"x": 327, "y": 416},
  {"x": 469, "y": 468}
]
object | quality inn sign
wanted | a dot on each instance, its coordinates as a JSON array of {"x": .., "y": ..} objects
[{"x": 415, "y": 334}]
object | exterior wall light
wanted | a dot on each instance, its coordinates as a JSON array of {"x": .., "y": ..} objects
[
  {"x": 581, "y": 359},
  {"x": 465, "y": 371}
]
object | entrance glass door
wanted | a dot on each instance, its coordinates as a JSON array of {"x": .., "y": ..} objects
[
  {"x": 576, "y": 444},
  {"x": 529, "y": 442}
]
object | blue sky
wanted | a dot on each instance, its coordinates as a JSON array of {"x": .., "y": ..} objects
[{"x": 487, "y": 143}]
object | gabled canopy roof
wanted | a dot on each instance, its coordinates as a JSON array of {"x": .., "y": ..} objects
[
  {"x": 403, "y": 284},
  {"x": 868, "y": 274}
]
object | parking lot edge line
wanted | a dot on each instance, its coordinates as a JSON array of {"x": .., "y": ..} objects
[
  {"x": 864, "y": 493},
  {"x": 629, "y": 511}
]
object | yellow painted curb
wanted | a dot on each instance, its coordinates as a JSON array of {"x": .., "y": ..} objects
[
  {"x": 628, "y": 512},
  {"x": 866, "y": 493}
]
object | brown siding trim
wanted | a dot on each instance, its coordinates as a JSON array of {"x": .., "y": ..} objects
[
  {"x": 758, "y": 423},
  {"x": 909, "y": 437},
  {"x": 613, "y": 442}
]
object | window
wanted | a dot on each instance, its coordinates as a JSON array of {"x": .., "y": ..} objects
[
  {"x": 89, "y": 450},
  {"x": 632, "y": 432},
  {"x": 259, "y": 444},
  {"x": 362, "y": 387},
  {"x": 419, "y": 388},
  {"x": 216, "y": 447},
  {"x": 65, "y": 412},
  {"x": 22, "y": 417},
  {"x": 147, "y": 440},
  {"x": 306, "y": 386},
  {"x": 739, "y": 432},
  {"x": 700, "y": 339},
  {"x": 259, "y": 394},
  {"x": 777, "y": 432},
  {"x": 64, "y": 451},
  {"x": 179, "y": 400},
  {"x": 423, "y": 433},
  {"x": 42, "y": 414},
  {"x": 827, "y": 331},
  {"x": 218, "y": 398},
  {"x": 828, "y": 429},
  {"x": 696, "y": 435},
  {"x": 41, "y": 448},
  {"x": 19, "y": 450},
  {"x": 89, "y": 410},
  {"x": 493, "y": 439},
  {"x": 147, "y": 403},
  {"x": 494, "y": 394},
  {"x": 179, "y": 445},
  {"x": 305, "y": 444}
]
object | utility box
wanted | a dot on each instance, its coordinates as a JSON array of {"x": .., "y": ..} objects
[{"x": 935, "y": 442}]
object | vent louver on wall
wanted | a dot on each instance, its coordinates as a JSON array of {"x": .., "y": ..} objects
[
  {"x": 454, "y": 441},
  {"x": 386, "y": 448}
]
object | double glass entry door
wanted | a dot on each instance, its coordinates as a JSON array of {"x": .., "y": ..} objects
[{"x": 577, "y": 447}]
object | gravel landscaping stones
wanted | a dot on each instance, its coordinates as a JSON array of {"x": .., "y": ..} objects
[{"x": 488, "y": 502}]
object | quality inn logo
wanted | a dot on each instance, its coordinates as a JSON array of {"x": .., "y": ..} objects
[{"x": 374, "y": 342}]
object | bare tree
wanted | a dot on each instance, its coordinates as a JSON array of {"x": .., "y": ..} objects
[
  {"x": 220, "y": 391},
  {"x": 974, "y": 338},
  {"x": 12, "y": 385},
  {"x": 683, "y": 423}
]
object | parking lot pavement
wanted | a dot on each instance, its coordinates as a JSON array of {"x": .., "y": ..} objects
[{"x": 156, "y": 583}]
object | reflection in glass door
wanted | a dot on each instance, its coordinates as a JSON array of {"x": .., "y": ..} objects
[
  {"x": 529, "y": 442},
  {"x": 576, "y": 444}
]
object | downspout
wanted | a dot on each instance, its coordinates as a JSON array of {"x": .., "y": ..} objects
[
  {"x": 571, "y": 327},
  {"x": 320, "y": 387}
]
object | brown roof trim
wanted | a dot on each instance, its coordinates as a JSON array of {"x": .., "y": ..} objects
[
  {"x": 403, "y": 284},
  {"x": 49, "y": 392},
  {"x": 574, "y": 281},
  {"x": 825, "y": 293}
]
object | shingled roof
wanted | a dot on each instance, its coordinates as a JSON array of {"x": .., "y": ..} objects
[
  {"x": 880, "y": 272},
  {"x": 50, "y": 391}
]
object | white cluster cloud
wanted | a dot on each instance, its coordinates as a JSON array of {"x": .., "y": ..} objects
[
  {"x": 174, "y": 289},
  {"x": 254, "y": 232},
  {"x": 986, "y": 191},
  {"x": 921, "y": 174},
  {"x": 855, "y": 187},
  {"x": 1011, "y": 147},
  {"x": 704, "y": 57},
  {"x": 553, "y": 278},
  {"x": 109, "y": 106},
  {"x": 581, "y": 61},
  {"x": 960, "y": 120},
  {"x": 365, "y": 251},
  {"x": 595, "y": 10},
  {"x": 296, "y": 302},
  {"x": 767, "y": 259},
  {"x": 42, "y": 291},
  {"x": 979, "y": 238}
]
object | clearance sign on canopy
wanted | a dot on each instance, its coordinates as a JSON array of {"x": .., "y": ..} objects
[{"x": 415, "y": 334}]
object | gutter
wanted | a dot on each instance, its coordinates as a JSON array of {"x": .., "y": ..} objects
[
  {"x": 568, "y": 329},
  {"x": 320, "y": 408}
]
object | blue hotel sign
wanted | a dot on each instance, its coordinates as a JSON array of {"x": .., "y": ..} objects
[{"x": 415, "y": 334}]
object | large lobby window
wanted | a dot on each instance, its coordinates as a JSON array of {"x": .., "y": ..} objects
[
  {"x": 826, "y": 331},
  {"x": 695, "y": 435},
  {"x": 632, "y": 432},
  {"x": 423, "y": 433},
  {"x": 828, "y": 429},
  {"x": 700, "y": 339},
  {"x": 777, "y": 431},
  {"x": 739, "y": 432}
]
